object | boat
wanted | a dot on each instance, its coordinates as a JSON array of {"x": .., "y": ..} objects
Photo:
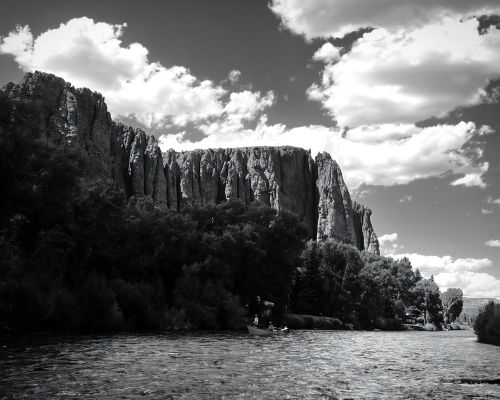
[{"x": 253, "y": 330}]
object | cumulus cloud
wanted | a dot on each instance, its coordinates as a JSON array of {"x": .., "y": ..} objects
[
  {"x": 463, "y": 273},
  {"x": 432, "y": 265},
  {"x": 327, "y": 53},
  {"x": 91, "y": 54},
  {"x": 473, "y": 179},
  {"x": 389, "y": 243},
  {"x": 409, "y": 75},
  {"x": 242, "y": 107},
  {"x": 422, "y": 153},
  {"x": 493, "y": 243},
  {"x": 335, "y": 18},
  {"x": 473, "y": 284}
]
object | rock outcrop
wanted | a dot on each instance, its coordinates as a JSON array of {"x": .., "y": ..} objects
[
  {"x": 285, "y": 178},
  {"x": 366, "y": 238},
  {"x": 78, "y": 119},
  {"x": 281, "y": 177}
]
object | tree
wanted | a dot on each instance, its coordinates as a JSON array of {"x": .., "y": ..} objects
[
  {"x": 306, "y": 296},
  {"x": 452, "y": 304},
  {"x": 428, "y": 300}
]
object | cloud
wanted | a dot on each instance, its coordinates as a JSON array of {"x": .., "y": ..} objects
[
  {"x": 242, "y": 107},
  {"x": 473, "y": 179},
  {"x": 91, "y": 54},
  {"x": 432, "y": 265},
  {"x": 409, "y": 75},
  {"x": 473, "y": 284},
  {"x": 327, "y": 53},
  {"x": 234, "y": 76},
  {"x": 335, "y": 18},
  {"x": 423, "y": 153},
  {"x": 388, "y": 243},
  {"x": 388, "y": 237},
  {"x": 406, "y": 199},
  {"x": 491, "y": 201},
  {"x": 493, "y": 243},
  {"x": 463, "y": 273}
]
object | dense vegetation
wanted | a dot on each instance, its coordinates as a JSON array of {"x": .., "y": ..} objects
[
  {"x": 487, "y": 324},
  {"x": 76, "y": 255},
  {"x": 363, "y": 289}
]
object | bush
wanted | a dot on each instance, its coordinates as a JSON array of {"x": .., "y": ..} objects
[
  {"x": 295, "y": 321},
  {"x": 487, "y": 324},
  {"x": 389, "y": 324}
]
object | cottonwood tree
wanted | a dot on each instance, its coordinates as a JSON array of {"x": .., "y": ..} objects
[{"x": 452, "y": 304}]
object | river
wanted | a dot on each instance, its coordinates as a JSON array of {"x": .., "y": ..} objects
[{"x": 301, "y": 365}]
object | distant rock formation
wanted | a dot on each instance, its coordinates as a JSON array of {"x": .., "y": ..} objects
[{"x": 285, "y": 178}]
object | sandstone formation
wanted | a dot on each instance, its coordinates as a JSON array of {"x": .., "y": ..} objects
[{"x": 285, "y": 178}]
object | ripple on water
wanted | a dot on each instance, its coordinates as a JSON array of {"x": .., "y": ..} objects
[{"x": 303, "y": 364}]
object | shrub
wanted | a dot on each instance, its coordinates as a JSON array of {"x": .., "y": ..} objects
[{"x": 487, "y": 324}]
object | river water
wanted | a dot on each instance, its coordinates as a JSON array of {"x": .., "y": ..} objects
[{"x": 301, "y": 365}]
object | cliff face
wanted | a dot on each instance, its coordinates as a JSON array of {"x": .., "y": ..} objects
[
  {"x": 285, "y": 178},
  {"x": 78, "y": 119},
  {"x": 281, "y": 177}
]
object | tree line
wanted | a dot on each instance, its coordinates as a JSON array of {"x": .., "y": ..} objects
[{"x": 368, "y": 290}]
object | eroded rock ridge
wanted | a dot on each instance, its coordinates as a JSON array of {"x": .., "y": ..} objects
[{"x": 285, "y": 178}]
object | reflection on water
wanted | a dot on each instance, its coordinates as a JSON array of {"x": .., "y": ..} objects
[{"x": 304, "y": 364}]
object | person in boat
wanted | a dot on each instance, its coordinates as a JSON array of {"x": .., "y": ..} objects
[
  {"x": 256, "y": 321},
  {"x": 271, "y": 326}
]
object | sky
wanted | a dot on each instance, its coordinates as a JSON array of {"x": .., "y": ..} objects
[{"x": 403, "y": 94}]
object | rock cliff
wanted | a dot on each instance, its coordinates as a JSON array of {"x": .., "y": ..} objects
[{"x": 285, "y": 178}]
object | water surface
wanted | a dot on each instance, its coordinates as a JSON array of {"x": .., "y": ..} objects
[{"x": 302, "y": 365}]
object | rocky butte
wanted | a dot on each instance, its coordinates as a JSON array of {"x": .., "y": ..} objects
[{"x": 285, "y": 178}]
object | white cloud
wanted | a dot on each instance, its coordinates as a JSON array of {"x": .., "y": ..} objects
[
  {"x": 382, "y": 132},
  {"x": 463, "y": 273},
  {"x": 406, "y": 199},
  {"x": 426, "y": 152},
  {"x": 490, "y": 200},
  {"x": 327, "y": 53},
  {"x": 493, "y": 203},
  {"x": 432, "y": 265},
  {"x": 409, "y": 75},
  {"x": 242, "y": 107},
  {"x": 91, "y": 54},
  {"x": 473, "y": 284},
  {"x": 388, "y": 238},
  {"x": 388, "y": 243},
  {"x": 234, "y": 76},
  {"x": 326, "y": 18},
  {"x": 493, "y": 243},
  {"x": 473, "y": 179}
]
